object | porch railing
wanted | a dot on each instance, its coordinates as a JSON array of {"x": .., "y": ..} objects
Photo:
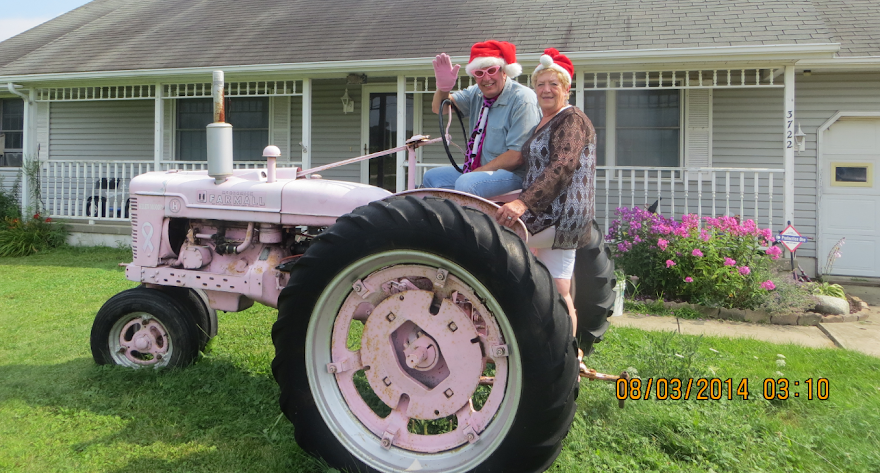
[
  {"x": 98, "y": 190},
  {"x": 750, "y": 193}
]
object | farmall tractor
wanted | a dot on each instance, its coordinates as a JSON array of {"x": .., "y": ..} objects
[{"x": 413, "y": 332}]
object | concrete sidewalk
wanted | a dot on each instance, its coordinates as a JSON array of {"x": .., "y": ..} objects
[{"x": 860, "y": 336}]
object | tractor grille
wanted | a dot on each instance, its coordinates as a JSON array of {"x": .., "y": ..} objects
[{"x": 134, "y": 227}]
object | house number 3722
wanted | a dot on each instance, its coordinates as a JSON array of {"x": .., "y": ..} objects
[{"x": 789, "y": 129}]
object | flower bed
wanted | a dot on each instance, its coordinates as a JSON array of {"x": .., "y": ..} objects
[{"x": 722, "y": 263}]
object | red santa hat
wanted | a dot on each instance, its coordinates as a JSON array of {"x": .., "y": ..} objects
[
  {"x": 553, "y": 59},
  {"x": 494, "y": 53}
]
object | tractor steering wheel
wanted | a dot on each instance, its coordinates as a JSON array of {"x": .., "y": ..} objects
[{"x": 443, "y": 131}]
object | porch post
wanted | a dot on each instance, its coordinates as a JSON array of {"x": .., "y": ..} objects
[
  {"x": 158, "y": 128},
  {"x": 788, "y": 146},
  {"x": 579, "y": 89},
  {"x": 401, "y": 133},
  {"x": 306, "y": 142},
  {"x": 27, "y": 137}
]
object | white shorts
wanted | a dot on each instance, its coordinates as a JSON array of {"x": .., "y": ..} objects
[{"x": 559, "y": 262}]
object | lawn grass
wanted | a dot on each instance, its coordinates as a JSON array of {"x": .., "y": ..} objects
[{"x": 61, "y": 412}]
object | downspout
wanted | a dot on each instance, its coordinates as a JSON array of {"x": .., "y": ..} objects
[{"x": 11, "y": 87}]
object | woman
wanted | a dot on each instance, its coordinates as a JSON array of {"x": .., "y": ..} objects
[{"x": 556, "y": 203}]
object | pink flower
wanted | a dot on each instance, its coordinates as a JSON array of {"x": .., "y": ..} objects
[
  {"x": 661, "y": 243},
  {"x": 768, "y": 285},
  {"x": 637, "y": 239},
  {"x": 670, "y": 263},
  {"x": 688, "y": 279},
  {"x": 48, "y": 220},
  {"x": 697, "y": 253},
  {"x": 729, "y": 261},
  {"x": 774, "y": 252},
  {"x": 744, "y": 270}
]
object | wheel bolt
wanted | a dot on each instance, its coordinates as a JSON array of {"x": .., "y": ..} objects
[{"x": 386, "y": 443}]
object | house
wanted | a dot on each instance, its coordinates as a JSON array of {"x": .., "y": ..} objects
[{"x": 764, "y": 109}]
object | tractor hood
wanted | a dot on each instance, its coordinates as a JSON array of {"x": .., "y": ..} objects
[{"x": 246, "y": 196}]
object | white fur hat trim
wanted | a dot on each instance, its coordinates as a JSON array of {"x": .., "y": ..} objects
[
  {"x": 512, "y": 70},
  {"x": 546, "y": 62}
]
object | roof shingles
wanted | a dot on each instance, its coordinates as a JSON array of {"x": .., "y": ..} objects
[{"x": 109, "y": 35}]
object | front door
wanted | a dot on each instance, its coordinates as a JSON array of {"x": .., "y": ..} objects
[
  {"x": 850, "y": 202},
  {"x": 381, "y": 134}
]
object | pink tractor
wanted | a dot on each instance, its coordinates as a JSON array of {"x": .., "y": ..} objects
[{"x": 413, "y": 332}]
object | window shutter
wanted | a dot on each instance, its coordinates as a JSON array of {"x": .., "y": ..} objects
[
  {"x": 43, "y": 129},
  {"x": 698, "y": 129},
  {"x": 168, "y": 127},
  {"x": 279, "y": 128}
]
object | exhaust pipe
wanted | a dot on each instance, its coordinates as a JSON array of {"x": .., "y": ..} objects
[{"x": 219, "y": 136}]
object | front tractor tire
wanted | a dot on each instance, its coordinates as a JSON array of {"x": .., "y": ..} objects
[
  {"x": 143, "y": 327},
  {"x": 418, "y": 335}
]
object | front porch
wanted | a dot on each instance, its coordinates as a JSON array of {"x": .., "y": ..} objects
[{"x": 711, "y": 168}]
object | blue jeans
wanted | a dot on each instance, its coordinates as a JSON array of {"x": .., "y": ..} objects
[{"x": 479, "y": 183}]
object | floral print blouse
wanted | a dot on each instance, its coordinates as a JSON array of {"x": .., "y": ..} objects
[{"x": 559, "y": 188}]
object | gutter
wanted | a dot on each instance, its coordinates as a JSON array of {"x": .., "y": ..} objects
[
  {"x": 777, "y": 53},
  {"x": 11, "y": 88},
  {"x": 847, "y": 63}
]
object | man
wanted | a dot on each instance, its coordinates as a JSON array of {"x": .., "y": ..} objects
[{"x": 503, "y": 115}]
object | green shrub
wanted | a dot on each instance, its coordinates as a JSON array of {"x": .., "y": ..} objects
[
  {"x": 22, "y": 237},
  {"x": 720, "y": 264},
  {"x": 827, "y": 289},
  {"x": 9, "y": 207}
]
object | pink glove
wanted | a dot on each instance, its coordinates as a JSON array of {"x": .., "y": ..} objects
[{"x": 445, "y": 73}]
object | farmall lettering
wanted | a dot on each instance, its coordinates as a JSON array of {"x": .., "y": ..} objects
[{"x": 239, "y": 198}]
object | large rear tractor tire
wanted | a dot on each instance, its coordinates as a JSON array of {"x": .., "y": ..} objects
[
  {"x": 417, "y": 335},
  {"x": 594, "y": 294},
  {"x": 144, "y": 327}
]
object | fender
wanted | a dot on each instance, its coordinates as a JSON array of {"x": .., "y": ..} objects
[{"x": 464, "y": 199}]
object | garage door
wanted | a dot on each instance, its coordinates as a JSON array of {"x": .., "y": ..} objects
[{"x": 850, "y": 203}]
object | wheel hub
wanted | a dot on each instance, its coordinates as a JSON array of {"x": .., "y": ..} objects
[
  {"x": 428, "y": 372},
  {"x": 143, "y": 341},
  {"x": 449, "y": 331},
  {"x": 422, "y": 354}
]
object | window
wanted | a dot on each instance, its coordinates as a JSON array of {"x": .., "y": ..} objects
[
  {"x": 11, "y": 132},
  {"x": 249, "y": 117},
  {"x": 645, "y": 126}
]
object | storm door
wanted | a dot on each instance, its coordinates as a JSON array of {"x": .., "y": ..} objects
[{"x": 381, "y": 134}]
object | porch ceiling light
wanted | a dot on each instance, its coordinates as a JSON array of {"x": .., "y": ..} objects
[
  {"x": 800, "y": 139},
  {"x": 347, "y": 103}
]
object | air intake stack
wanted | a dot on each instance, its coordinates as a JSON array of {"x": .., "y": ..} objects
[{"x": 219, "y": 136}]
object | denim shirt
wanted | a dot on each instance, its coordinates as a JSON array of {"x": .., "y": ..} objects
[{"x": 512, "y": 118}]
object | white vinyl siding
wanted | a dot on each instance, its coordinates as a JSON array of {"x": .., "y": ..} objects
[
  {"x": 8, "y": 178},
  {"x": 102, "y": 130},
  {"x": 335, "y": 135}
]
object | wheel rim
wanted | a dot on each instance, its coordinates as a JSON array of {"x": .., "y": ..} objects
[
  {"x": 138, "y": 339},
  {"x": 427, "y": 399}
]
